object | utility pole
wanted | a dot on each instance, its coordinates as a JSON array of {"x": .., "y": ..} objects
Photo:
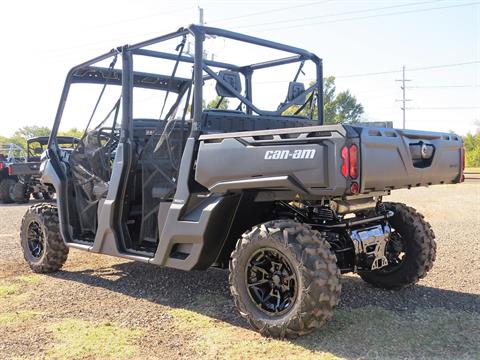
[
  {"x": 403, "y": 100},
  {"x": 201, "y": 22},
  {"x": 200, "y": 16}
]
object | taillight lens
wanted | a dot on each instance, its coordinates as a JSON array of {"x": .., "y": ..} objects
[
  {"x": 1, "y": 165},
  {"x": 350, "y": 161},
  {"x": 345, "y": 165},
  {"x": 354, "y": 188},
  {"x": 353, "y": 161},
  {"x": 9, "y": 170}
]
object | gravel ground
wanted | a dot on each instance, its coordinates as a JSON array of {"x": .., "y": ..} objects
[{"x": 135, "y": 295}]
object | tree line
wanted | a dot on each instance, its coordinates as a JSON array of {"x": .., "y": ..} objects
[
  {"x": 339, "y": 107},
  {"x": 472, "y": 149}
]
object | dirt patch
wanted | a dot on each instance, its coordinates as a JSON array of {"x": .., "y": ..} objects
[{"x": 166, "y": 313}]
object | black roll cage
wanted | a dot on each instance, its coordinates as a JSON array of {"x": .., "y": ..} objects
[{"x": 128, "y": 79}]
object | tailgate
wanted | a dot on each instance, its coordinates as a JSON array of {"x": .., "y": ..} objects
[
  {"x": 392, "y": 158},
  {"x": 24, "y": 169}
]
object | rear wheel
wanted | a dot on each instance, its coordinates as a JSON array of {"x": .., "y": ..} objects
[
  {"x": 284, "y": 278},
  {"x": 410, "y": 251},
  {"x": 42, "y": 245},
  {"x": 5, "y": 186},
  {"x": 19, "y": 193}
]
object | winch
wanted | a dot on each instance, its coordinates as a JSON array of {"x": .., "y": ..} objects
[{"x": 369, "y": 244}]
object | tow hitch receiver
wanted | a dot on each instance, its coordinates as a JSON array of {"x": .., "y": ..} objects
[{"x": 369, "y": 244}]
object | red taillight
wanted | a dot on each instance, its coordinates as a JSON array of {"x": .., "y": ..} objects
[
  {"x": 345, "y": 166},
  {"x": 350, "y": 161},
  {"x": 9, "y": 170},
  {"x": 353, "y": 151},
  {"x": 1, "y": 165},
  {"x": 354, "y": 188}
]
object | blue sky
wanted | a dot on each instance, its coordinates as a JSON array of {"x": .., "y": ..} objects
[{"x": 42, "y": 40}]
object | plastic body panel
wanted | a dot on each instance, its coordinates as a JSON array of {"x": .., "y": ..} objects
[
  {"x": 387, "y": 159},
  {"x": 304, "y": 160},
  {"x": 25, "y": 169}
]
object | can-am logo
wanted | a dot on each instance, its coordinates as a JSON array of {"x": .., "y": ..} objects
[{"x": 287, "y": 154}]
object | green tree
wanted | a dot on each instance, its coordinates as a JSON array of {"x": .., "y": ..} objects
[
  {"x": 18, "y": 140},
  {"x": 472, "y": 149},
  {"x": 21, "y": 135},
  {"x": 337, "y": 108},
  {"x": 212, "y": 104},
  {"x": 28, "y": 132},
  {"x": 72, "y": 132}
]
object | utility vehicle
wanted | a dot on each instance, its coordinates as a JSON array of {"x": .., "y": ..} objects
[
  {"x": 26, "y": 174},
  {"x": 9, "y": 154},
  {"x": 283, "y": 201}
]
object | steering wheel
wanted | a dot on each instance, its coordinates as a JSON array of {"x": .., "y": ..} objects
[{"x": 108, "y": 138}]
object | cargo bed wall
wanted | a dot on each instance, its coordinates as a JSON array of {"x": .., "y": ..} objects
[
  {"x": 392, "y": 159},
  {"x": 25, "y": 169},
  {"x": 303, "y": 160}
]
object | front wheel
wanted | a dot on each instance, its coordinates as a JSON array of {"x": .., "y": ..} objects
[
  {"x": 42, "y": 245},
  {"x": 410, "y": 251},
  {"x": 284, "y": 278}
]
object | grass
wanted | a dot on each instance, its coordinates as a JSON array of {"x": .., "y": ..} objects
[
  {"x": 15, "y": 318},
  {"x": 7, "y": 290},
  {"x": 472, "y": 170},
  {"x": 30, "y": 279},
  {"x": 376, "y": 333},
  {"x": 369, "y": 332},
  {"x": 78, "y": 339},
  {"x": 217, "y": 339}
]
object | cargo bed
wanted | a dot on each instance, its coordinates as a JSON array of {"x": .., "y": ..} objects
[
  {"x": 25, "y": 169},
  {"x": 387, "y": 159}
]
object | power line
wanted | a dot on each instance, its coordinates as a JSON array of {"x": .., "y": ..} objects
[
  {"x": 338, "y": 14},
  {"x": 368, "y": 17},
  {"x": 368, "y": 74},
  {"x": 445, "y": 65},
  {"x": 270, "y": 11},
  {"x": 151, "y": 15},
  {"x": 440, "y": 86},
  {"x": 446, "y": 108},
  {"x": 410, "y": 69},
  {"x": 422, "y": 68}
]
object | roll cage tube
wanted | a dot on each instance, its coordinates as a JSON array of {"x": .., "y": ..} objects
[{"x": 200, "y": 65}]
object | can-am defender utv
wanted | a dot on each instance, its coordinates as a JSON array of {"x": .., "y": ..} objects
[
  {"x": 284, "y": 202},
  {"x": 26, "y": 174},
  {"x": 9, "y": 154}
]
